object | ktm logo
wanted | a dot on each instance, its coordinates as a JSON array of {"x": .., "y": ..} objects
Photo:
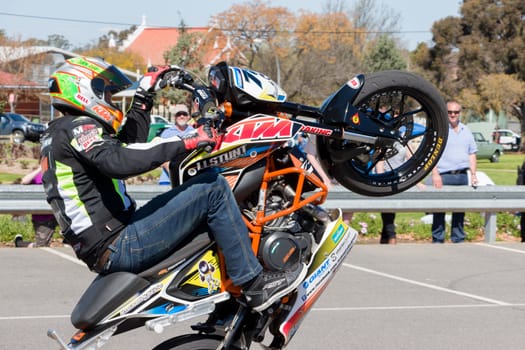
[
  {"x": 259, "y": 129},
  {"x": 104, "y": 113}
]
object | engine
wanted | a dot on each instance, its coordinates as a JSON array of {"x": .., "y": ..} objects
[{"x": 287, "y": 240}]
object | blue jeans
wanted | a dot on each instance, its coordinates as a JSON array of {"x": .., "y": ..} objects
[
  {"x": 457, "y": 234},
  {"x": 168, "y": 219}
]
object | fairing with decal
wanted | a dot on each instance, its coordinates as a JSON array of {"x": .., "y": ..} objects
[{"x": 244, "y": 143}]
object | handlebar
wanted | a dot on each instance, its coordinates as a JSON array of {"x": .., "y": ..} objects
[{"x": 180, "y": 79}]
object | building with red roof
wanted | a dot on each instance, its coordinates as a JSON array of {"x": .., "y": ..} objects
[{"x": 152, "y": 42}]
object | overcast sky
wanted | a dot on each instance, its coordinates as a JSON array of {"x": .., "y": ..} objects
[{"x": 83, "y": 22}]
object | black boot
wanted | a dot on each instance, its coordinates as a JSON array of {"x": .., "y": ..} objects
[
  {"x": 270, "y": 286},
  {"x": 20, "y": 243}
]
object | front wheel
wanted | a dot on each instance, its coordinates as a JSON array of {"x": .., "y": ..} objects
[
  {"x": 191, "y": 342},
  {"x": 414, "y": 111}
]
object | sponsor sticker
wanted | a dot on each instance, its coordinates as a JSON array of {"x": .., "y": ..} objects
[
  {"x": 85, "y": 136},
  {"x": 355, "y": 119},
  {"x": 104, "y": 113},
  {"x": 336, "y": 236},
  {"x": 354, "y": 83},
  {"x": 82, "y": 98},
  {"x": 316, "y": 130},
  {"x": 268, "y": 128}
]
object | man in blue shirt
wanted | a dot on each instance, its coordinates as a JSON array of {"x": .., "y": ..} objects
[
  {"x": 181, "y": 129},
  {"x": 458, "y": 158}
]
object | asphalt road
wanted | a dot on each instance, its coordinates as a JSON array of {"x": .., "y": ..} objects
[{"x": 409, "y": 296}]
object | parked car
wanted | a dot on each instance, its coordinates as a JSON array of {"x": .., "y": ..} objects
[
  {"x": 20, "y": 128},
  {"x": 507, "y": 138},
  {"x": 158, "y": 123},
  {"x": 487, "y": 149}
]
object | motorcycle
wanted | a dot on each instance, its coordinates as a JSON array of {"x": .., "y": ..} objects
[{"x": 368, "y": 120}]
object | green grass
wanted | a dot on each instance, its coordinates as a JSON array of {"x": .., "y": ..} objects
[
  {"x": 11, "y": 225},
  {"x": 9, "y": 178},
  {"x": 504, "y": 172}
]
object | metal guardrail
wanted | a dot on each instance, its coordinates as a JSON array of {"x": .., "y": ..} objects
[
  {"x": 489, "y": 200},
  {"x": 6, "y": 138},
  {"x": 20, "y": 199}
]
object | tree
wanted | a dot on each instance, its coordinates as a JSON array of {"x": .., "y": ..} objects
[
  {"x": 185, "y": 54},
  {"x": 253, "y": 24},
  {"x": 58, "y": 41},
  {"x": 498, "y": 92},
  {"x": 498, "y": 27},
  {"x": 488, "y": 39},
  {"x": 439, "y": 62},
  {"x": 320, "y": 58},
  {"x": 288, "y": 48},
  {"x": 502, "y": 93},
  {"x": 265, "y": 36},
  {"x": 308, "y": 54},
  {"x": 372, "y": 19},
  {"x": 125, "y": 60},
  {"x": 384, "y": 55}
]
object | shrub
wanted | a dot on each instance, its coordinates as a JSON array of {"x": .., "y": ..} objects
[{"x": 11, "y": 225}]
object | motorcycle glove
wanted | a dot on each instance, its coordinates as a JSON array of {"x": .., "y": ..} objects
[
  {"x": 150, "y": 83},
  {"x": 204, "y": 137},
  {"x": 153, "y": 80}
]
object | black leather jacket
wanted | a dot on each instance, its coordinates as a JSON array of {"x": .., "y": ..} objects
[{"x": 84, "y": 170}]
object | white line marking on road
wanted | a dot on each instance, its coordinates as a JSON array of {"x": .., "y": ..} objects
[
  {"x": 13, "y": 318},
  {"x": 65, "y": 256},
  {"x": 413, "y": 307},
  {"x": 502, "y": 248},
  {"x": 426, "y": 285}
]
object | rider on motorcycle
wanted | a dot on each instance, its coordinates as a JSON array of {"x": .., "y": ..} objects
[{"x": 87, "y": 154}]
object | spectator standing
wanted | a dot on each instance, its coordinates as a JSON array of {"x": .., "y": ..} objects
[
  {"x": 388, "y": 232},
  {"x": 181, "y": 128},
  {"x": 521, "y": 181},
  {"x": 44, "y": 225},
  {"x": 459, "y": 157}
]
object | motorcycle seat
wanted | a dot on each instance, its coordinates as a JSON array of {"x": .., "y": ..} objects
[
  {"x": 103, "y": 295},
  {"x": 181, "y": 253},
  {"x": 107, "y": 292}
]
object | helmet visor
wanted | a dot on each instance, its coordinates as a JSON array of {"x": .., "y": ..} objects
[{"x": 109, "y": 82}]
